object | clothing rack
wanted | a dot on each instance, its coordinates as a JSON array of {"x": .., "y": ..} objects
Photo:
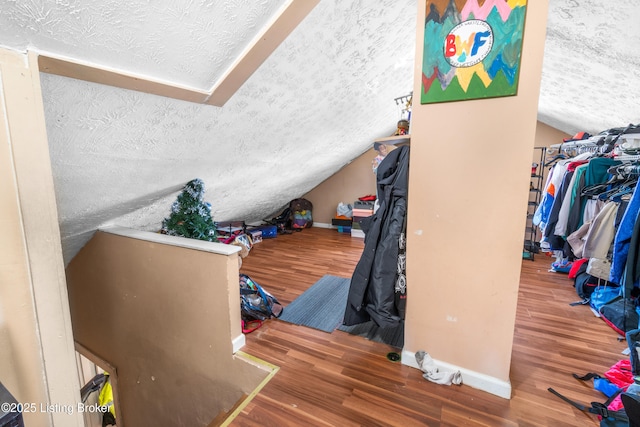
[
  {"x": 571, "y": 149},
  {"x": 531, "y": 242},
  {"x": 603, "y": 142},
  {"x": 589, "y": 142},
  {"x": 592, "y": 213},
  {"x": 628, "y": 158},
  {"x": 625, "y": 169}
]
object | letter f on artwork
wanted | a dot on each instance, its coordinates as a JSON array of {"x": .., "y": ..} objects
[{"x": 479, "y": 41}]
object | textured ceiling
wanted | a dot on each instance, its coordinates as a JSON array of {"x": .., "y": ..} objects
[
  {"x": 316, "y": 103},
  {"x": 189, "y": 43},
  {"x": 591, "y": 72}
]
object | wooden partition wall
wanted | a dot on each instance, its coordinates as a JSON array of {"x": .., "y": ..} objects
[{"x": 165, "y": 313}]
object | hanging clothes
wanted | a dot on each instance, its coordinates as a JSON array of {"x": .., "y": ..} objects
[
  {"x": 579, "y": 169},
  {"x": 541, "y": 216},
  {"x": 631, "y": 277},
  {"x": 577, "y": 214},
  {"x": 373, "y": 294},
  {"x": 577, "y": 239},
  {"x": 576, "y": 203},
  {"x": 557, "y": 242},
  {"x": 601, "y": 233},
  {"x": 623, "y": 238},
  {"x": 545, "y": 217},
  {"x": 596, "y": 173}
]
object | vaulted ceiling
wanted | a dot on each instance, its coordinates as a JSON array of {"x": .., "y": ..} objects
[{"x": 261, "y": 128}]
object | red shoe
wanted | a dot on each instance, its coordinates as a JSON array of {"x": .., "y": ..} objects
[{"x": 250, "y": 326}]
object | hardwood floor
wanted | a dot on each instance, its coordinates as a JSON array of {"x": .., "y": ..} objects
[{"x": 339, "y": 379}]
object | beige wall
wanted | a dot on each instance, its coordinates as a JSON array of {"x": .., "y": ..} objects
[
  {"x": 37, "y": 359},
  {"x": 165, "y": 317},
  {"x": 547, "y": 135},
  {"x": 357, "y": 178},
  {"x": 468, "y": 189},
  {"x": 354, "y": 180}
]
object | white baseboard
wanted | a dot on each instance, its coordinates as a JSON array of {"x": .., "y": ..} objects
[
  {"x": 238, "y": 342},
  {"x": 473, "y": 379},
  {"x": 322, "y": 225}
]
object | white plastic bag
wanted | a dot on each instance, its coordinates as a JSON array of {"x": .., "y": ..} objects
[{"x": 344, "y": 210}]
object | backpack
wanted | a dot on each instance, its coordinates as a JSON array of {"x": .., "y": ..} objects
[
  {"x": 633, "y": 340},
  {"x": 282, "y": 221},
  {"x": 584, "y": 282},
  {"x": 301, "y": 214},
  {"x": 603, "y": 295},
  {"x": 256, "y": 304},
  {"x": 620, "y": 313}
]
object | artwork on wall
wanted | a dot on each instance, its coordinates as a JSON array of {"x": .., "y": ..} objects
[{"x": 472, "y": 49}]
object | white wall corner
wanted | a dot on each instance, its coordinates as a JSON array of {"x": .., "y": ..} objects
[
  {"x": 473, "y": 379},
  {"x": 238, "y": 342}
]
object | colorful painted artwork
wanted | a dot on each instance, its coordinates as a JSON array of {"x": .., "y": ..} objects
[{"x": 472, "y": 49}]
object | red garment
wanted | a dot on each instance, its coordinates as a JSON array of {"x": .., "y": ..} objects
[
  {"x": 619, "y": 374},
  {"x": 573, "y": 165},
  {"x": 575, "y": 267},
  {"x": 577, "y": 137}
]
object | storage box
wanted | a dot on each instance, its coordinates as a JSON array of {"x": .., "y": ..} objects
[
  {"x": 359, "y": 204},
  {"x": 344, "y": 229},
  {"x": 357, "y": 220},
  {"x": 341, "y": 222},
  {"x": 362, "y": 212},
  {"x": 268, "y": 231},
  {"x": 256, "y": 235}
]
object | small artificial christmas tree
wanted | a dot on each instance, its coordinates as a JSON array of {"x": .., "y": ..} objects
[{"x": 190, "y": 215}]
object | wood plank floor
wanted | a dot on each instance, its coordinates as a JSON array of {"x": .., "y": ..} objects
[{"x": 339, "y": 379}]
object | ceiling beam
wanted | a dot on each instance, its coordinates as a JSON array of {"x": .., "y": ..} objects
[
  {"x": 263, "y": 45},
  {"x": 67, "y": 67},
  {"x": 260, "y": 48}
]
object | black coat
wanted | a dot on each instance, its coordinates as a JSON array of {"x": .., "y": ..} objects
[{"x": 372, "y": 294}]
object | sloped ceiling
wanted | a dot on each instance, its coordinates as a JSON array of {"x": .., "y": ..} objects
[
  {"x": 190, "y": 43},
  {"x": 591, "y": 71},
  {"x": 120, "y": 156}
]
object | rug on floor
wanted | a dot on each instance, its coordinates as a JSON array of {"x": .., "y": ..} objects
[{"x": 322, "y": 307}]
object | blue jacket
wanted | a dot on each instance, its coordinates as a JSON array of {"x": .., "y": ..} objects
[{"x": 623, "y": 238}]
